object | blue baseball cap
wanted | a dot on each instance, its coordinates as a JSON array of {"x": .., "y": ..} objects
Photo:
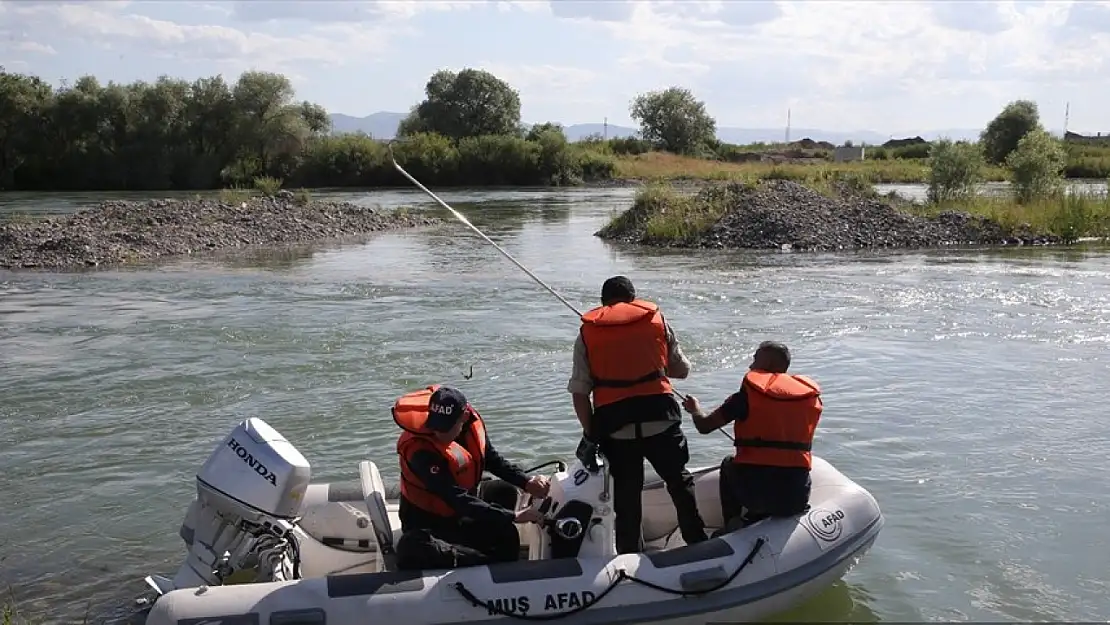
[{"x": 445, "y": 407}]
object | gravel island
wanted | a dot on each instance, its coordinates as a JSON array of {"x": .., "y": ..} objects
[
  {"x": 121, "y": 232},
  {"x": 773, "y": 214}
]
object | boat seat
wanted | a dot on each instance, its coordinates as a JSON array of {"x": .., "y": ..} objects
[{"x": 373, "y": 493}]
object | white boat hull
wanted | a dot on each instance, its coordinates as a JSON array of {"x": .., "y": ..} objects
[{"x": 788, "y": 561}]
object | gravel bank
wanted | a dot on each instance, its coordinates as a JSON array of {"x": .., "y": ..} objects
[
  {"x": 119, "y": 232},
  {"x": 781, "y": 213}
]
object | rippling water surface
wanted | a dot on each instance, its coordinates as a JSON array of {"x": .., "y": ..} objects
[{"x": 962, "y": 389}]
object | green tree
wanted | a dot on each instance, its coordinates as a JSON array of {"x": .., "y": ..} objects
[
  {"x": 23, "y": 108},
  {"x": 172, "y": 133},
  {"x": 210, "y": 141},
  {"x": 554, "y": 158},
  {"x": 539, "y": 130},
  {"x": 673, "y": 120},
  {"x": 272, "y": 128},
  {"x": 1002, "y": 134},
  {"x": 1036, "y": 165},
  {"x": 470, "y": 103},
  {"x": 954, "y": 170},
  {"x": 158, "y": 134}
]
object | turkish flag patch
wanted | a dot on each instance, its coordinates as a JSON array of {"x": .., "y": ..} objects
[{"x": 433, "y": 469}]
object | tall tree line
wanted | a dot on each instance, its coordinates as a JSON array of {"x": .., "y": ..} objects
[{"x": 166, "y": 134}]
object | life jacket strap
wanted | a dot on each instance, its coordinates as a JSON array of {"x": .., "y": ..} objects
[
  {"x": 765, "y": 444},
  {"x": 654, "y": 375}
]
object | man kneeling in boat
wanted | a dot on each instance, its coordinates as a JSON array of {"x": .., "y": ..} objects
[
  {"x": 774, "y": 417},
  {"x": 444, "y": 449}
]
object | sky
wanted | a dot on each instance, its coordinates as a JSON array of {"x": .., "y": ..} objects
[{"x": 868, "y": 65}]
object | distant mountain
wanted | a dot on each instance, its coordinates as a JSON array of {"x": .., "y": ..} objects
[
  {"x": 577, "y": 132},
  {"x": 744, "y": 136},
  {"x": 383, "y": 125},
  {"x": 956, "y": 134}
]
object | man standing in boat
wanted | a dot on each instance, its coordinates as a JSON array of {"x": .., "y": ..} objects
[
  {"x": 774, "y": 417},
  {"x": 444, "y": 450},
  {"x": 623, "y": 357}
]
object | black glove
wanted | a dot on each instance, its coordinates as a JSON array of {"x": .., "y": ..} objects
[{"x": 587, "y": 454}]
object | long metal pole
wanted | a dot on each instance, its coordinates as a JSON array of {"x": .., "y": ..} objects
[
  {"x": 477, "y": 231},
  {"x": 466, "y": 222}
]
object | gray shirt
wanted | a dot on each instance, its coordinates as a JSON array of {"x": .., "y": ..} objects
[{"x": 581, "y": 382}]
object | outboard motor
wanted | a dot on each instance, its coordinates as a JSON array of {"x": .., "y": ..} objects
[
  {"x": 579, "y": 513},
  {"x": 239, "y": 529}
]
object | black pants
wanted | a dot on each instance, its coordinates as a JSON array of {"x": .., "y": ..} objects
[
  {"x": 668, "y": 454},
  {"x": 463, "y": 542},
  {"x": 750, "y": 493}
]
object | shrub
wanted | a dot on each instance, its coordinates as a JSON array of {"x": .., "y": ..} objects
[
  {"x": 267, "y": 186},
  {"x": 428, "y": 157},
  {"x": 1037, "y": 165},
  {"x": 595, "y": 166},
  {"x": 661, "y": 214},
  {"x": 954, "y": 170},
  {"x": 629, "y": 145},
  {"x": 545, "y": 157},
  {"x": 912, "y": 151},
  {"x": 235, "y": 195},
  {"x": 499, "y": 160}
]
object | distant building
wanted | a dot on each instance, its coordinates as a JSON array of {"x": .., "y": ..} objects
[
  {"x": 901, "y": 143},
  {"x": 1098, "y": 139},
  {"x": 846, "y": 153}
]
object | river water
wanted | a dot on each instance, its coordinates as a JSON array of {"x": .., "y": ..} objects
[{"x": 952, "y": 390}]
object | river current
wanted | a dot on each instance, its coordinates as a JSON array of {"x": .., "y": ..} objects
[{"x": 962, "y": 389}]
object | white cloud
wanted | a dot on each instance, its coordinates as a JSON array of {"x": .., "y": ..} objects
[
  {"x": 886, "y": 65},
  {"x": 107, "y": 25},
  {"x": 853, "y": 52},
  {"x": 570, "y": 85},
  {"x": 32, "y": 47},
  {"x": 614, "y": 11},
  {"x": 346, "y": 11},
  {"x": 527, "y": 6},
  {"x": 555, "y": 77}
]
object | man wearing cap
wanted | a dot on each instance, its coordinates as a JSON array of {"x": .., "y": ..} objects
[
  {"x": 444, "y": 450},
  {"x": 623, "y": 357}
]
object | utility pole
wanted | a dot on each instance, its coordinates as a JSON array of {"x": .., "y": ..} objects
[
  {"x": 1067, "y": 113},
  {"x": 606, "y": 128},
  {"x": 788, "y": 126}
]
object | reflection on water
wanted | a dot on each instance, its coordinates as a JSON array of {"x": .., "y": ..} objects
[
  {"x": 918, "y": 192},
  {"x": 850, "y": 604}
]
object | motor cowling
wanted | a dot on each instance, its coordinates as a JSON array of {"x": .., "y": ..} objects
[
  {"x": 579, "y": 512},
  {"x": 240, "y": 528},
  {"x": 255, "y": 472}
]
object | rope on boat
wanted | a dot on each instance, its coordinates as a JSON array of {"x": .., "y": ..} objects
[{"x": 621, "y": 576}]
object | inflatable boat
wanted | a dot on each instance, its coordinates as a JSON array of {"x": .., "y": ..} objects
[{"x": 266, "y": 546}]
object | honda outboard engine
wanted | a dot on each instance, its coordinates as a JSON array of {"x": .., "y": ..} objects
[{"x": 240, "y": 527}]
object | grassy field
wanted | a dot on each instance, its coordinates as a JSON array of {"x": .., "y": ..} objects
[
  {"x": 1068, "y": 216},
  {"x": 907, "y": 164},
  {"x": 658, "y": 166},
  {"x": 673, "y": 215}
]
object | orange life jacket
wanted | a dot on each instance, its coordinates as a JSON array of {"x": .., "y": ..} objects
[
  {"x": 466, "y": 462},
  {"x": 626, "y": 346},
  {"x": 783, "y": 411}
]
